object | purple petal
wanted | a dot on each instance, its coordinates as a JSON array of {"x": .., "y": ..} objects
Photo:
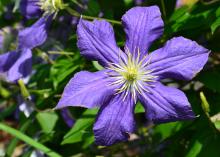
[
  {"x": 35, "y": 35},
  {"x": 22, "y": 67},
  {"x": 30, "y": 9},
  {"x": 138, "y": 2},
  {"x": 16, "y": 64},
  {"x": 1, "y": 40},
  {"x": 96, "y": 41},
  {"x": 180, "y": 58},
  {"x": 86, "y": 89},
  {"x": 67, "y": 117},
  {"x": 7, "y": 60},
  {"x": 179, "y": 3},
  {"x": 142, "y": 25},
  {"x": 166, "y": 104},
  {"x": 115, "y": 121}
]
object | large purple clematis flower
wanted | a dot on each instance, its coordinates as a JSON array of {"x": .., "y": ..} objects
[
  {"x": 18, "y": 64},
  {"x": 132, "y": 74}
]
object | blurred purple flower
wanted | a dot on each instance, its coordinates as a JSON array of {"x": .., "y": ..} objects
[
  {"x": 180, "y": 3},
  {"x": 1, "y": 39},
  {"x": 139, "y": 2},
  {"x": 35, "y": 8},
  {"x": 30, "y": 9},
  {"x": 18, "y": 63},
  {"x": 133, "y": 74},
  {"x": 67, "y": 117},
  {"x": 25, "y": 106}
]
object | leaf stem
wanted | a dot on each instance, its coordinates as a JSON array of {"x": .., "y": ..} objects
[
  {"x": 24, "y": 90},
  {"x": 163, "y": 8},
  {"x": 28, "y": 140},
  {"x": 75, "y": 13}
]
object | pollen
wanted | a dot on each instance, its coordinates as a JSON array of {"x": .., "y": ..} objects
[{"x": 131, "y": 75}]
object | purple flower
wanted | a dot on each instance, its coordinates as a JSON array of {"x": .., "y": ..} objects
[
  {"x": 180, "y": 3},
  {"x": 30, "y": 8},
  {"x": 67, "y": 117},
  {"x": 138, "y": 2},
  {"x": 35, "y": 8},
  {"x": 17, "y": 64},
  {"x": 132, "y": 74},
  {"x": 1, "y": 39}
]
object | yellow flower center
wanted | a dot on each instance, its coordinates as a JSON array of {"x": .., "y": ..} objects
[
  {"x": 50, "y": 6},
  {"x": 132, "y": 75}
]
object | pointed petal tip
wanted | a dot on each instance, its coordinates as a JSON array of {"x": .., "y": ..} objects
[
  {"x": 96, "y": 41},
  {"x": 180, "y": 58},
  {"x": 166, "y": 104},
  {"x": 115, "y": 121},
  {"x": 142, "y": 25}
]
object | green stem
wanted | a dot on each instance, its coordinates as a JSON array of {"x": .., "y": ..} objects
[
  {"x": 78, "y": 4},
  {"x": 209, "y": 2},
  {"x": 163, "y": 8},
  {"x": 13, "y": 142},
  {"x": 23, "y": 88},
  {"x": 60, "y": 53},
  {"x": 28, "y": 140},
  {"x": 75, "y": 13}
]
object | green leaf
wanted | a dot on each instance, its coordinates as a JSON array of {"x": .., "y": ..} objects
[
  {"x": 139, "y": 108},
  {"x": 7, "y": 111},
  {"x": 97, "y": 65},
  {"x": 217, "y": 13},
  {"x": 179, "y": 13},
  {"x": 217, "y": 124},
  {"x": 215, "y": 25},
  {"x": 13, "y": 143},
  {"x": 167, "y": 129},
  {"x": 195, "y": 149},
  {"x": 47, "y": 120},
  {"x": 62, "y": 69},
  {"x": 204, "y": 143},
  {"x": 93, "y": 8},
  {"x": 88, "y": 140},
  {"x": 4, "y": 92},
  {"x": 211, "y": 79},
  {"x": 127, "y": 2},
  {"x": 80, "y": 128},
  {"x": 28, "y": 140}
]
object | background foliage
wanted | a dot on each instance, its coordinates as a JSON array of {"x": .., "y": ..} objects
[{"x": 45, "y": 130}]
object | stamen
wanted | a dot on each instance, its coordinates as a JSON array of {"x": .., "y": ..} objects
[
  {"x": 131, "y": 75},
  {"x": 50, "y": 6}
]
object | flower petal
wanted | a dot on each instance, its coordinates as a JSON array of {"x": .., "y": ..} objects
[
  {"x": 35, "y": 35},
  {"x": 96, "y": 41},
  {"x": 115, "y": 121},
  {"x": 142, "y": 25},
  {"x": 1, "y": 40},
  {"x": 30, "y": 9},
  {"x": 7, "y": 60},
  {"x": 16, "y": 64},
  {"x": 166, "y": 104},
  {"x": 68, "y": 119},
  {"x": 180, "y": 58},
  {"x": 86, "y": 89},
  {"x": 22, "y": 67}
]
